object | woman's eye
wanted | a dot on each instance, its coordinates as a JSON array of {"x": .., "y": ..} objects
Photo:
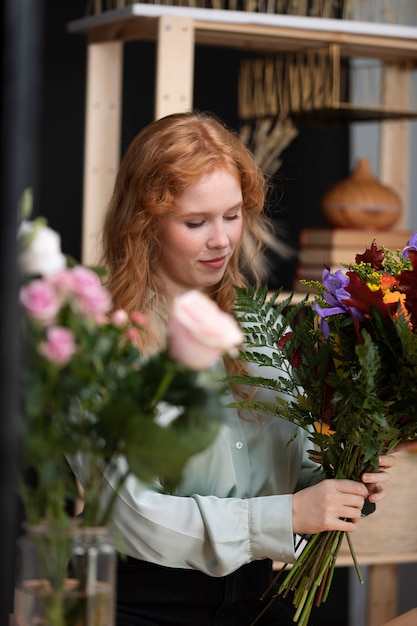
[
  {"x": 228, "y": 218},
  {"x": 194, "y": 224}
]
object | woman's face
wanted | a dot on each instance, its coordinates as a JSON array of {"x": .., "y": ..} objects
[{"x": 199, "y": 237}]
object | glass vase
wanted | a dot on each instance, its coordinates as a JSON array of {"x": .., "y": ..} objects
[{"x": 65, "y": 577}]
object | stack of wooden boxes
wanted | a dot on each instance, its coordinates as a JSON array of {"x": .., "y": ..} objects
[{"x": 333, "y": 247}]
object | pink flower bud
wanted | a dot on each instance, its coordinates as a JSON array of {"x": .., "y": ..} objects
[
  {"x": 92, "y": 297},
  {"x": 63, "y": 282},
  {"x": 119, "y": 317},
  {"x": 40, "y": 301},
  {"x": 139, "y": 318},
  {"x": 199, "y": 332},
  {"x": 59, "y": 345},
  {"x": 132, "y": 335}
]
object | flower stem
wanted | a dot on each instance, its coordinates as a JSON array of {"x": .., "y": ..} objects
[
  {"x": 109, "y": 510},
  {"x": 355, "y": 562},
  {"x": 165, "y": 382}
]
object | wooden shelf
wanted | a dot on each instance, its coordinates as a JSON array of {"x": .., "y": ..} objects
[
  {"x": 382, "y": 583},
  {"x": 260, "y": 32},
  {"x": 176, "y": 31},
  {"x": 345, "y": 560}
]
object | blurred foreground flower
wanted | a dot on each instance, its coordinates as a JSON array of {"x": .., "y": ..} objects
[{"x": 86, "y": 389}]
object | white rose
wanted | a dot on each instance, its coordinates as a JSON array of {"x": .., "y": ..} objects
[
  {"x": 40, "y": 249},
  {"x": 199, "y": 332}
]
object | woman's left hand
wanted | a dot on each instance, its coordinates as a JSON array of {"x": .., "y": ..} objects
[{"x": 374, "y": 480}]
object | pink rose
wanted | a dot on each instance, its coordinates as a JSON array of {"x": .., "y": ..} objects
[
  {"x": 140, "y": 319},
  {"x": 63, "y": 282},
  {"x": 119, "y": 317},
  {"x": 40, "y": 300},
  {"x": 59, "y": 345},
  {"x": 92, "y": 298},
  {"x": 132, "y": 335},
  {"x": 199, "y": 332}
]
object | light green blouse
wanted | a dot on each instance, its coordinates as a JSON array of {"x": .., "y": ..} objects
[{"x": 234, "y": 504}]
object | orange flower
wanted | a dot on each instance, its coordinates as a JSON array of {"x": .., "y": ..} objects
[
  {"x": 387, "y": 282},
  {"x": 397, "y": 296},
  {"x": 321, "y": 427}
]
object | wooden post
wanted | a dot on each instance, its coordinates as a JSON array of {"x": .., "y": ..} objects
[
  {"x": 382, "y": 593},
  {"x": 175, "y": 65},
  {"x": 394, "y": 166},
  {"x": 102, "y": 138}
]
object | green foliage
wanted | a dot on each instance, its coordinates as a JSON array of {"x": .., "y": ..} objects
[
  {"x": 350, "y": 391},
  {"x": 104, "y": 403}
]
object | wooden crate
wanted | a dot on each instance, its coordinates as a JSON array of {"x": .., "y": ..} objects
[
  {"x": 392, "y": 528},
  {"x": 407, "y": 619}
]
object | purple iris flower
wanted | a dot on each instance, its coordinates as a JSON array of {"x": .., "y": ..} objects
[
  {"x": 411, "y": 244},
  {"x": 336, "y": 284}
]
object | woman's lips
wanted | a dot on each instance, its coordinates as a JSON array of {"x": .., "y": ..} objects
[{"x": 215, "y": 263}]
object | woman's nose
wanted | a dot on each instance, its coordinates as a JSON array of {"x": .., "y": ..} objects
[{"x": 218, "y": 236}]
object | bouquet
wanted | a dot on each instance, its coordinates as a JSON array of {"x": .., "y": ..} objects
[
  {"x": 347, "y": 373},
  {"x": 87, "y": 389}
]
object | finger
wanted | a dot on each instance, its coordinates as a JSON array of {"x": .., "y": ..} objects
[
  {"x": 352, "y": 487},
  {"x": 387, "y": 460},
  {"x": 351, "y": 513},
  {"x": 373, "y": 478},
  {"x": 342, "y": 524},
  {"x": 377, "y": 495},
  {"x": 349, "y": 507},
  {"x": 355, "y": 502}
]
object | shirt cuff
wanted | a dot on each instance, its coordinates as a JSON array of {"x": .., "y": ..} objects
[{"x": 270, "y": 528}]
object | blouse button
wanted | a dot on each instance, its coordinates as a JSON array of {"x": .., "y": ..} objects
[{"x": 239, "y": 445}]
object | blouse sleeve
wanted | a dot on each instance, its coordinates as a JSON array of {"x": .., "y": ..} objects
[{"x": 212, "y": 534}]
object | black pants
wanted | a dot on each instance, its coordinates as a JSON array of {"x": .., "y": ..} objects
[{"x": 151, "y": 595}]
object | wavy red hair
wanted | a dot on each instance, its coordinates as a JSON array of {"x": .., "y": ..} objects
[{"x": 163, "y": 159}]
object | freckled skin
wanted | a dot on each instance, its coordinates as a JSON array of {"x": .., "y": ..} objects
[{"x": 198, "y": 239}]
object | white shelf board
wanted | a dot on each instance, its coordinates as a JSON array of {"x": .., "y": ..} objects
[{"x": 256, "y": 31}]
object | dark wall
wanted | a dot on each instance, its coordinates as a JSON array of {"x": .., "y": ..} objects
[{"x": 59, "y": 196}]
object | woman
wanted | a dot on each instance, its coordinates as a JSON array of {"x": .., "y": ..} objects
[{"x": 187, "y": 213}]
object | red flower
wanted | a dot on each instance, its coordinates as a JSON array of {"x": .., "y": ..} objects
[
  {"x": 364, "y": 298},
  {"x": 373, "y": 255},
  {"x": 327, "y": 413},
  {"x": 296, "y": 358},
  {"x": 407, "y": 283}
]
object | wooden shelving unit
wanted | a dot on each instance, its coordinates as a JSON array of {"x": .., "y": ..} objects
[
  {"x": 176, "y": 31},
  {"x": 261, "y": 32}
]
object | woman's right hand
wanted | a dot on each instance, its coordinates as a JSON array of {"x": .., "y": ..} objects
[{"x": 327, "y": 505}]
